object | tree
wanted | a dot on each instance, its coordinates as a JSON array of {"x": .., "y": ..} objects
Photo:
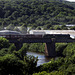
[
  {"x": 63, "y": 27},
  {"x": 4, "y": 43},
  {"x": 60, "y": 48},
  {"x": 23, "y": 29},
  {"x": 57, "y": 27},
  {"x": 10, "y": 27},
  {"x": 21, "y": 53},
  {"x": 11, "y": 48},
  {"x": 72, "y": 28},
  {"x": 17, "y": 29},
  {"x": 10, "y": 64},
  {"x": 3, "y": 51},
  {"x": 69, "y": 50}
]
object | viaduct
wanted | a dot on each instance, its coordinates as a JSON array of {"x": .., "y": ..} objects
[{"x": 49, "y": 39}]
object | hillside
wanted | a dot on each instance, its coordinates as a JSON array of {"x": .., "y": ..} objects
[
  {"x": 65, "y": 2},
  {"x": 35, "y": 13},
  {"x": 71, "y": 4}
]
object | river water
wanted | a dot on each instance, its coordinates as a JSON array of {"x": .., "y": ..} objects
[{"x": 41, "y": 57}]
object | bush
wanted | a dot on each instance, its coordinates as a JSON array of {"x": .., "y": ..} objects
[
  {"x": 37, "y": 47},
  {"x": 52, "y": 73},
  {"x": 3, "y": 51},
  {"x": 52, "y": 65},
  {"x": 69, "y": 50},
  {"x": 41, "y": 73},
  {"x": 70, "y": 70},
  {"x": 59, "y": 48},
  {"x": 21, "y": 53},
  {"x": 10, "y": 64},
  {"x": 4, "y": 43}
]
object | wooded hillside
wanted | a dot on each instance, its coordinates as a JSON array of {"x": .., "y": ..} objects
[{"x": 35, "y": 13}]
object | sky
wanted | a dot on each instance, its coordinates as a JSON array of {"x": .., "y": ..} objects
[{"x": 71, "y": 0}]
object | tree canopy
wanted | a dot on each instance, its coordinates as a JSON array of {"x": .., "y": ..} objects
[{"x": 35, "y": 13}]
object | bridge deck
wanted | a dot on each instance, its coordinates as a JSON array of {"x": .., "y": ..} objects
[{"x": 31, "y": 38}]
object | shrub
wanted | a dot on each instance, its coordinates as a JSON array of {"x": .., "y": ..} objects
[
  {"x": 69, "y": 50},
  {"x": 4, "y": 43}
]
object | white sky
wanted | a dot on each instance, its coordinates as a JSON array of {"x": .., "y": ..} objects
[{"x": 71, "y": 0}]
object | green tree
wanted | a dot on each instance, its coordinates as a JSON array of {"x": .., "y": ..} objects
[
  {"x": 52, "y": 73},
  {"x": 10, "y": 27},
  {"x": 3, "y": 51},
  {"x": 57, "y": 27},
  {"x": 4, "y": 43},
  {"x": 60, "y": 48},
  {"x": 21, "y": 53},
  {"x": 11, "y": 48},
  {"x": 63, "y": 27},
  {"x": 10, "y": 64},
  {"x": 69, "y": 50},
  {"x": 72, "y": 28},
  {"x": 23, "y": 29}
]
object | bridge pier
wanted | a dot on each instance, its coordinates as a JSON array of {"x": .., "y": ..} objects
[
  {"x": 18, "y": 45},
  {"x": 50, "y": 49}
]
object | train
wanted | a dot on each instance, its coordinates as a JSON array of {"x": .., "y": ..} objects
[
  {"x": 56, "y": 36},
  {"x": 45, "y": 36},
  {"x": 15, "y": 34},
  {"x": 22, "y": 36}
]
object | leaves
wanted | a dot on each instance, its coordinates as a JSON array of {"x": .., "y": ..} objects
[
  {"x": 32, "y": 12},
  {"x": 4, "y": 43}
]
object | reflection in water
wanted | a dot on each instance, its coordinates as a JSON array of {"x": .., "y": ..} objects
[{"x": 41, "y": 57}]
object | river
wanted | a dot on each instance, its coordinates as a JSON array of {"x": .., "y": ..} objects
[{"x": 41, "y": 57}]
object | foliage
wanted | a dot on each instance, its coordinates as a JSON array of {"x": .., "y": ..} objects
[
  {"x": 47, "y": 14},
  {"x": 4, "y": 43},
  {"x": 69, "y": 50},
  {"x": 21, "y": 53},
  {"x": 36, "y": 13},
  {"x": 10, "y": 27},
  {"x": 41, "y": 73},
  {"x": 62, "y": 65},
  {"x": 15, "y": 62},
  {"x": 11, "y": 48},
  {"x": 70, "y": 70},
  {"x": 51, "y": 66},
  {"x": 31, "y": 63},
  {"x": 52, "y": 73},
  {"x": 38, "y": 47},
  {"x": 59, "y": 48},
  {"x": 9, "y": 64},
  {"x": 72, "y": 28},
  {"x": 3, "y": 51}
]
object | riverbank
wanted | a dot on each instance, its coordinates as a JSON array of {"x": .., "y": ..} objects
[
  {"x": 40, "y": 48},
  {"x": 41, "y": 57}
]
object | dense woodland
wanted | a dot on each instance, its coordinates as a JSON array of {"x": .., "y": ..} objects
[
  {"x": 36, "y": 13},
  {"x": 48, "y": 14}
]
